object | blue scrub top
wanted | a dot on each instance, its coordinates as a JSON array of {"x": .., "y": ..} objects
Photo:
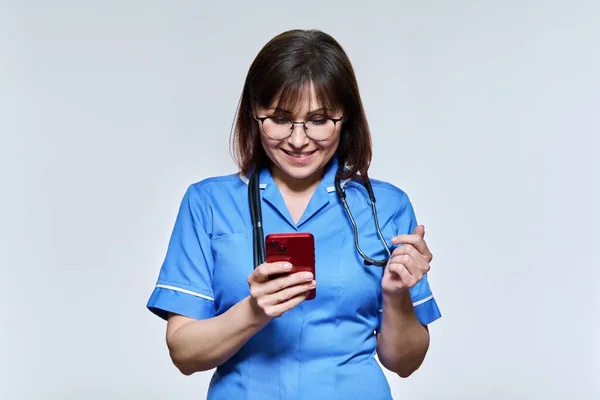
[{"x": 321, "y": 349}]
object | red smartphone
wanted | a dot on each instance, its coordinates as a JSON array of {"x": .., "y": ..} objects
[{"x": 296, "y": 248}]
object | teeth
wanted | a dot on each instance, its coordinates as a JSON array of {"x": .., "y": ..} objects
[{"x": 299, "y": 154}]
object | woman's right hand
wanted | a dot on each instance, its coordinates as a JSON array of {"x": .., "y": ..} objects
[{"x": 272, "y": 298}]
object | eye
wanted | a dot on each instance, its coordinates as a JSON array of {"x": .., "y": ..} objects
[
  {"x": 280, "y": 120},
  {"x": 318, "y": 121}
]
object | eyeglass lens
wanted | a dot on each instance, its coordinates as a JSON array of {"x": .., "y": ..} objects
[{"x": 281, "y": 128}]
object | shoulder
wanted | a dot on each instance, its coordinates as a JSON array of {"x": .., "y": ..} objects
[
  {"x": 210, "y": 183},
  {"x": 215, "y": 195},
  {"x": 215, "y": 192},
  {"x": 387, "y": 190},
  {"x": 386, "y": 193},
  {"x": 391, "y": 198},
  {"x": 216, "y": 185},
  {"x": 395, "y": 203}
]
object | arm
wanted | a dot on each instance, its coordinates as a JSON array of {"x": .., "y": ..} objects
[
  {"x": 197, "y": 338},
  {"x": 200, "y": 345},
  {"x": 403, "y": 341}
]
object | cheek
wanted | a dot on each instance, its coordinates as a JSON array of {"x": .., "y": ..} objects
[
  {"x": 331, "y": 146},
  {"x": 267, "y": 145}
]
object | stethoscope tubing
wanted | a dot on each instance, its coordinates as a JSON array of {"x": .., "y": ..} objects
[{"x": 254, "y": 200}]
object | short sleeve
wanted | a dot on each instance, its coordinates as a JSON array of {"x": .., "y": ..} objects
[
  {"x": 424, "y": 303},
  {"x": 184, "y": 284}
]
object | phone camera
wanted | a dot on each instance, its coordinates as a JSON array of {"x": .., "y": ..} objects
[
  {"x": 273, "y": 243},
  {"x": 282, "y": 249}
]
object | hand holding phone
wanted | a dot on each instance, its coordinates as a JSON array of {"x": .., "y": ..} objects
[{"x": 270, "y": 296}]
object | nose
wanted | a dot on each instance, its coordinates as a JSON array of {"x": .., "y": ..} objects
[{"x": 298, "y": 138}]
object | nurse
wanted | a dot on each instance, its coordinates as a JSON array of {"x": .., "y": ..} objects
[{"x": 300, "y": 118}]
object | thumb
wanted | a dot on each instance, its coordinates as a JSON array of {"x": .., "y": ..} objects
[{"x": 420, "y": 230}]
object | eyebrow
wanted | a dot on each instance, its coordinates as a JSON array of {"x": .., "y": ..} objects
[{"x": 283, "y": 111}]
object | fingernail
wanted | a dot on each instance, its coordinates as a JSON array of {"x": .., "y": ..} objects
[
  {"x": 307, "y": 276},
  {"x": 287, "y": 266}
]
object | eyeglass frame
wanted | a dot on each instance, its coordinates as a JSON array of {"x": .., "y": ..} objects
[{"x": 292, "y": 122}]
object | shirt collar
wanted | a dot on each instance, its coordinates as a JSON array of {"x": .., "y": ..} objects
[
  {"x": 266, "y": 179},
  {"x": 319, "y": 199}
]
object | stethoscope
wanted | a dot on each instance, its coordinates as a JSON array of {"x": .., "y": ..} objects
[{"x": 257, "y": 228}]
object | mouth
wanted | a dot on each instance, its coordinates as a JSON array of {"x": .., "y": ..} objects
[{"x": 300, "y": 154}]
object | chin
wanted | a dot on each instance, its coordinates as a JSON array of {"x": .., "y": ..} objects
[{"x": 300, "y": 170}]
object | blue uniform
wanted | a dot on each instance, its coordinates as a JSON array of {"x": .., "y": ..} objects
[{"x": 321, "y": 349}]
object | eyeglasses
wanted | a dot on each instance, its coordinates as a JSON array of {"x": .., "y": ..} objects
[{"x": 280, "y": 128}]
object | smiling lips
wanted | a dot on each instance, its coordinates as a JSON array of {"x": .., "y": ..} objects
[{"x": 299, "y": 154}]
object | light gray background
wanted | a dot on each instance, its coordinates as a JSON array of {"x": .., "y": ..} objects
[{"x": 486, "y": 113}]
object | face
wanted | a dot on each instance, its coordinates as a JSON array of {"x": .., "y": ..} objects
[{"x": 298, "y": 157}]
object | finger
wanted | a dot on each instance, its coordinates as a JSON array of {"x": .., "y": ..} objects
[
  {"x": 286, "y": 294},
  {"x": 406, "y": 249},
  {"x": 410, "y": 250},
  {"x": 286, "y": 281},
  {"x": 417, "y": 241},
  {"x": 263, "y": 271},
  {"x": 278, "y": 309},
  {"x": 413, "y": 239},
  {"x": 417, "y": 270},
  {"x": 405, "y": 277},
  {"x": 420, "y": 230},
  {"x": 408, "y": 262}
]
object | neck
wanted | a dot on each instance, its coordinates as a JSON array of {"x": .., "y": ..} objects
[{"x": 296, "y": 187}]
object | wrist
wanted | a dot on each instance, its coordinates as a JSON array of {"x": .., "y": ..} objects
[
  {"x": 258, "y": 318},
  {"x": 398, "y": 299}
]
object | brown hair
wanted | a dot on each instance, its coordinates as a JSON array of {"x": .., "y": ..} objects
[{"x": 286, "y": 65}]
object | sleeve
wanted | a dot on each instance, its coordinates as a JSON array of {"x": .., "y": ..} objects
[
  {"x": 184, "y": 284},
  {"x": 424, "y": 303}
]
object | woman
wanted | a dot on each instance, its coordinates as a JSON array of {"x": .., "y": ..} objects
[{"x": 300, "y": 124}]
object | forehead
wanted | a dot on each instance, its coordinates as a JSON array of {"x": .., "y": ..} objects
[
  {"x": 304, "y": 101},
  {"x": 300, "y": 99}
]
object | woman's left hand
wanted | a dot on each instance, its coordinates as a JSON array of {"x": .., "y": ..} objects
[{"x": 408, "y": 262}]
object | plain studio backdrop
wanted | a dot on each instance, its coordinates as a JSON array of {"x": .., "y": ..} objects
[{"x": 486, "y": 113}]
